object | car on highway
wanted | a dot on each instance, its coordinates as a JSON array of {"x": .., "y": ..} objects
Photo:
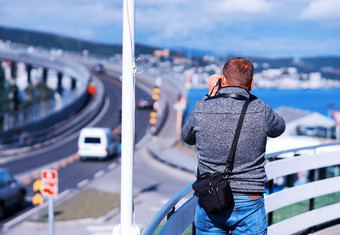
[
  {"x": 98, "y": 68},
  {"x": 96, "y": 142},
  {"x": 144, "y": 101},
  {"x": 12, "y": 193}
]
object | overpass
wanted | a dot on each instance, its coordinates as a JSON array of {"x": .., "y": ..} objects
[{"x": 43, "y": 116}]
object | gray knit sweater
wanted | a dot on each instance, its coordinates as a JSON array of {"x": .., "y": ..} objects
[{"x": 212, "y": 126}]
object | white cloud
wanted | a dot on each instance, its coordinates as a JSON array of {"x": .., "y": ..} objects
[
  {"x": 322, "y": 9},
  {"x": 157, "y": 2},
  {"x": 72, "y": 18},
  {"x": 245, "y": 6}
]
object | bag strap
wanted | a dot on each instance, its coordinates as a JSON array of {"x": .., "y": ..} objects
[
  {"x": 230, "y": 159},
  {"x": 218, "y": 85},
  {"x": 227, "y": 95}
]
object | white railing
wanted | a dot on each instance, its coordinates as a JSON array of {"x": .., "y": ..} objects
[{"x": 313, "y": 159}]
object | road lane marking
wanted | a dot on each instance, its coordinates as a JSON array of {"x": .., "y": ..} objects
[
  {"x": 70, "y": 159},
  {"x": 154, "y": 209},
  {"x": 77, "y": 157},
  {"x": 26, "y": 179},
  {"x": 36, "y": 174},
  {"x": 83, "y": 183},
  {"x": 145, "y": 138},
  {"x": 102, "y": 112},
  {"x": 116, "y": 130},
  {"x": 99, "y": 174},
  {"x": 64, "y": 163},
  {"x": 56, "y": 166},
  {"x": 114, "y": 82},
  {"x": 112, "y": 166},
  {"x": 100, "y": 228}
]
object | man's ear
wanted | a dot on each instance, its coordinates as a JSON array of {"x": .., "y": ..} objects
[
  {"x": 251, "y": 84},
  {"x": 224, "y": 81}
]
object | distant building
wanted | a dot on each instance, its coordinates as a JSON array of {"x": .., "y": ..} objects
[
  {"x": 301, "y": 122},
  {"x": 303, "y": 128},
  {"x": 162, "y": 53}
]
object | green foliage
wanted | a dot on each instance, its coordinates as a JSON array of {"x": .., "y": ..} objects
[
  {"x": 44, "y": 92},
  {"x": 10, "y": 99},
  {"x": 38, "y": 93},
  {"x": 301, "y": 207},
  {"x": 188, "y": 231},
  {"x": 88, "y": 203},
  {"x": 4, "y": 93},
  {"x": 2, "y": 78}
]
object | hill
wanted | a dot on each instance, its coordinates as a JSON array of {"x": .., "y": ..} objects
[
  {"x": 328, "y": 66},
  {"x": 54, "y": 41}
]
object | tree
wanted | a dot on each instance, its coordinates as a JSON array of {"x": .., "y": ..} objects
[
  {"x": 15, "y": 100},
  {"x": 4, "y": 102},
  {"x": 4, "y": 92}
]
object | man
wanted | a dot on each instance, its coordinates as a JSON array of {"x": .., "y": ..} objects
[{"x": 211, "y": 127}]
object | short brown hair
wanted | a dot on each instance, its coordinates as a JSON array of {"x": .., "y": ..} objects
[{"x": 239, "y": 71}]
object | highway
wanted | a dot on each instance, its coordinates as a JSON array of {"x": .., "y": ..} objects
[
  {"x": 154, "y": 182},
  {"x": 62, "y": 154}
]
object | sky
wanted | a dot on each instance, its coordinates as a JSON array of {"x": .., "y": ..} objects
[{"x": 267, "y": 28}]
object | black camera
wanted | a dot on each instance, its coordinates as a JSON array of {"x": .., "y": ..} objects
[{"x": 219, "y": 83}]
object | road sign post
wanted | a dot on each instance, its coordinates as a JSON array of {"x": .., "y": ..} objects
[
  {"x": 51, "y": 215},
  {"x": 49, "y": 180},
  {"x": 336, "y": 115}
]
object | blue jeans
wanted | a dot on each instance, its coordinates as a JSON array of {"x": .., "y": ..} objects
[{"x": 247, "y": 217}]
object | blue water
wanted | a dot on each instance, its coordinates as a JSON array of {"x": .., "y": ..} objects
[{"x": 311, "y": 100}]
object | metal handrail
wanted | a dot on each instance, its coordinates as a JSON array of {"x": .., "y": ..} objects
[
  {"x": 150, "y": 229},
  {"x": 170, "y": 205},
  {"x": 274, "y": 154}
]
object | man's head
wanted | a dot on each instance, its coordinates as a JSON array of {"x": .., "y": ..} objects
[{"x": 239, "y": 72}]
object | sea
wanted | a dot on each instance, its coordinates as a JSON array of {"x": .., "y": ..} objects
[{"x": 323, "y": 101}]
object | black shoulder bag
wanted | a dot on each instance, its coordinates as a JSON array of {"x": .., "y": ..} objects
[{"x": 213, "y": 190}]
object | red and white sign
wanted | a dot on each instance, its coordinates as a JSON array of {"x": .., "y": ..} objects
[
  {"x": 336, "y": 115},
  {"x": 49, "y": 180}
]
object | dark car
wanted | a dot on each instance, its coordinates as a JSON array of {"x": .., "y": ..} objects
[
  {"x": 98, "y": 68},
  {"x": 144, "y": 101},
  {"x": 12, "y": 192}
]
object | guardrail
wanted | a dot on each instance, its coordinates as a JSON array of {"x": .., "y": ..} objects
[{"x": 179, "y": 220}]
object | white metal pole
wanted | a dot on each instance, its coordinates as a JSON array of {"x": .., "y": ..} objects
[
  {"x": 128, "y": 119},
  {"x": 51, "y": 215}
]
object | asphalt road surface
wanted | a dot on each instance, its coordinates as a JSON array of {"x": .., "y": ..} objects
[{"x": 62, "y": 154}]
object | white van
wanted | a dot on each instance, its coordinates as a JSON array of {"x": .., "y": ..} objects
[{"x": 96, "y": 142}]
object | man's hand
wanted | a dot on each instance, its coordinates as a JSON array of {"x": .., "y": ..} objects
[{"x": 211, "y": 82}]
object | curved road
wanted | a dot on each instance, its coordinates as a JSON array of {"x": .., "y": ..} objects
[
  {"x": 154, "y": 182},
  {"x": 61, "y": 155}
]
